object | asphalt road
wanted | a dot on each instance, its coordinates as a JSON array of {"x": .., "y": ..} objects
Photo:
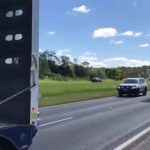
[{"x": 100, "y": 124}]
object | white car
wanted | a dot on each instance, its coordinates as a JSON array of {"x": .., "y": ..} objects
[{"x": 132, "y": 86}]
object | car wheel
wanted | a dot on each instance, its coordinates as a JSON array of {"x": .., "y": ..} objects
[
  {"x": 137, "y": 93},
  {"x": 120, "y": 94},
  {"x": 145, "y": 91}
]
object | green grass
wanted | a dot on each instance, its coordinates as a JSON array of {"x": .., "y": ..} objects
[
  {"x": 61, "y": 92},
  {"x": 56, "y": 92},
  {"x": 148, "y": 83}
]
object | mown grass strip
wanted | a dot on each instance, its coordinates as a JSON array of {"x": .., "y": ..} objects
[
  {"x": 55, "y": 92},
  {"x": 61, "y": 92}
]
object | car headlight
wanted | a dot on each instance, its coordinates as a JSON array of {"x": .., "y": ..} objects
[
  {"x": 119, "y": 87},
  {"x": 133, "y": 87}
]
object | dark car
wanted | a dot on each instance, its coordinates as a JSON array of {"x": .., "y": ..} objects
[{"x": 96, "y": 79}]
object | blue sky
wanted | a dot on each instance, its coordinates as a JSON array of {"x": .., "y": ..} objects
[{"x": 106, "y": 33}]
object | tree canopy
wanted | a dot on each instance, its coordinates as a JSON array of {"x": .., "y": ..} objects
[{"x": 54, "y": 66}]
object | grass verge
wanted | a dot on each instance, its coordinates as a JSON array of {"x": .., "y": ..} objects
[
  {"x": 61, "y": 92},
  {"x": 56, "y": 92}
]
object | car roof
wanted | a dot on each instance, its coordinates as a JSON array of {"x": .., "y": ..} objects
[{"x": 136, "y": 78}]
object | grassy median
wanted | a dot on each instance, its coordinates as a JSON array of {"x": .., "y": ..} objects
[{"x": 61, "y": 92}]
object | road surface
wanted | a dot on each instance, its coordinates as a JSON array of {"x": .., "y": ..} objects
[{"x": 101, "y": 124}]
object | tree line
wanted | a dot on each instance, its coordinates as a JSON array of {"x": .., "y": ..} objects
[{"x": 60, "y": 68}]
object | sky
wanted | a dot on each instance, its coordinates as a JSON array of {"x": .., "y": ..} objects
[{"x": 106, "y": 33}]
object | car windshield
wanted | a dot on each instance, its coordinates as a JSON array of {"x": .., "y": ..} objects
[{"x": 130, "y": 81}]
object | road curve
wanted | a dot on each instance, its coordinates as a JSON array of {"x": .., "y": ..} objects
[{"x": 100, "y": 124}]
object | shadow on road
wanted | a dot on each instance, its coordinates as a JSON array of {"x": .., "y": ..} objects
[
  {"x": 146, "y": 101},
  {"x": 129, "y": 96}
]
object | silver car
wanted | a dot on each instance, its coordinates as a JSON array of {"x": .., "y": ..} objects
[{"x": 132, "y": 86}]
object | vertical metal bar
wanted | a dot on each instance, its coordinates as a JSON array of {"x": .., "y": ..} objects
[{"x": 35, "y": 62}]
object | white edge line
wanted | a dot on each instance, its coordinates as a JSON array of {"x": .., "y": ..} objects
[
  {"x": 71, "y": 103},
  {"x": 50, "y": 123},
  {"x": 132, "y": 140}
]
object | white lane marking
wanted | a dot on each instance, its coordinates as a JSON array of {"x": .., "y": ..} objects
[
  {"x": 81, "y": 102},
  {"x": 50, "y": 123},
  {"x": 132, "y": 140}
]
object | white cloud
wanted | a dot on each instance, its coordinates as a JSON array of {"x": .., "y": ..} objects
[
  {"x": 117, "y": 42},
  {"x": 138, "y": 33},
  {"x": 132, "y": 33},
  {"x": 92, "y": 59},
  {"x": 90, "y": 54},
  {"x": 65, "y": 52},
  {"x": 111, "y": 32},
  {"x": 81, "y": 9},
  {"x": 112, "y": 62},
  {"x": 51, "y": 33},
  {"x": 61, "y": 52},
  {"x": 128, "y": 33},
  {"x": 105, "y": 32},
  {"x": 122, "y": 61},
  {"x": 144, "y": 45},
  {"x": 97, "y": 63},
  {"x": 41, "y": 50}
]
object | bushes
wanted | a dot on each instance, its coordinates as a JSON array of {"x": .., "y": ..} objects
[{"x": 57, "y": 77}]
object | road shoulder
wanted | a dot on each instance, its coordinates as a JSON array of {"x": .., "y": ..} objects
[{"x": 144, "y": 144}]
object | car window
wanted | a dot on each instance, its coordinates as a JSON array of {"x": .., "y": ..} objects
[
  {"x": 130, "y": 81},
  {"x": 141, "y": 81}
]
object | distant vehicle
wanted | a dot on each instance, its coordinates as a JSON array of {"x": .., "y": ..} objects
[
  {"x": 96, "y": 79},
  {"x": 132, "y": 86}
]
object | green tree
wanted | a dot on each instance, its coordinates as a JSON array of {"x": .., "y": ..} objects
[
  {"x": 81, "y": 71},
  {"x": 114, "y": 73},
  {"x": 43, "y": 65},
  {"x": 66, "y": 68}
]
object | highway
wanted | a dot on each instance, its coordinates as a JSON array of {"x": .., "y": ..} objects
[{"x": 101, "y": 124}]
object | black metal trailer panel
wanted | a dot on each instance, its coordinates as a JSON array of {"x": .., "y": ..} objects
[
  {"x": 15, "y": 60},
  {"x": 3, "y": 125}
]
